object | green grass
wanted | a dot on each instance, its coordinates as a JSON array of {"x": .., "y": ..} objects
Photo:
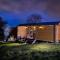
[
  {"x": 36, "y": 47},
  {"x": 11, "y": 44},
  {"x": 21, "y": 51}
]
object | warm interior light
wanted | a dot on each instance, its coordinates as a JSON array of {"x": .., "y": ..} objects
[
  {"x": 41, "y": 27},
  {"x": 34, "y": 28},
  {"x": 26, "y": 27}
]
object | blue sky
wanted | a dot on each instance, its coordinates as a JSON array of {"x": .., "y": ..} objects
[{"x": 16, "y": 12}]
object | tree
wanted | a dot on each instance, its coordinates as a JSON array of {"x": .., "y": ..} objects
[
  {"x": 34, "y": 18},
  {"x": 2, "y": 23}
]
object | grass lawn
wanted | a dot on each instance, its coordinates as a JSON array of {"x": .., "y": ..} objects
[{"x": 21, "y": 51}]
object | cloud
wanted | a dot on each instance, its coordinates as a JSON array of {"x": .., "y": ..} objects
[
  {"x": 22, "y": 5},
  {"x": 49, "y": 9},
  {"x": 53, "y": 7}
]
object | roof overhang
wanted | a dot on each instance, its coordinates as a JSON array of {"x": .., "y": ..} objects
[{"x": 42, "y": 23}]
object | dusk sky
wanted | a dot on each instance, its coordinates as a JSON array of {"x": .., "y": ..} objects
[{"x": 16, "y": 12}]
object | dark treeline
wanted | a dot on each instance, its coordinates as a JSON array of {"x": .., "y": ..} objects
[{"x": 2, "y": 23}]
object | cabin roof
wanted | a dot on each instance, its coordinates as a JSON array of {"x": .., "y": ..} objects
[{"x": 42, "y": 23}]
